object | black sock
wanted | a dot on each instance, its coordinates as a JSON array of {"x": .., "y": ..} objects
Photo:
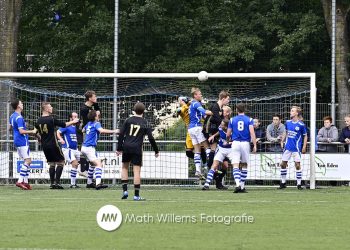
[
  {"x": 204, "y": 156},
  {"x": 137, "y": 189},
  {"x": 220, "y": 177},
  {"x": 52, "y": 174},
  {"x": 211, "y": 159},
  {"x": 125, "y": 185},
  {"x": 59, "y": 170}
]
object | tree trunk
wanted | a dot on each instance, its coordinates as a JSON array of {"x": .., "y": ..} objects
[
  {"x": 341, "y": 54},
  {"x": 9, "y": 19}
]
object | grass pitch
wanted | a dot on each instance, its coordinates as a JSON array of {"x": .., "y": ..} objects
[{"x": 283, "y": 219}]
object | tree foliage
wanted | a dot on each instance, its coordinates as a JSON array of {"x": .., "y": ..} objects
[{"x": 178, "y": 36}]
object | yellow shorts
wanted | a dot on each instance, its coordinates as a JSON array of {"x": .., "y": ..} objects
[{"x": 189, "y": 144}]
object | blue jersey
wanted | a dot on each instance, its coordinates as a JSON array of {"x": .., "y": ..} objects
[
  {"x": 17, "y": 122},
  {"x": 295, "y": 134},
  {"x": 69, "y": 135},
  {"x": 92, "y": 134},
  {"x": 196, "y": 112},
  {"x": 223, "y": 140},
  {"x": 240, "y": 127}
]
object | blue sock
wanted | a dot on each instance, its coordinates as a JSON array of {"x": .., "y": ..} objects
[
  {"x": 244, "y": 173},
  {"x": 209, "y": 177},
  {"x": 237, "y": 176}
]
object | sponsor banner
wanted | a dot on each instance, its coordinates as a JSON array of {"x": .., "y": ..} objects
[
  {"x": 328, "y": 167},
  {"x": 4, "y": 165},
  {"x": 169, "y": 165}
]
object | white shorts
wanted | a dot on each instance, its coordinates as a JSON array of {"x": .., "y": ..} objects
[
  {"x": 23, "y": 152},
  {"x": 196, "y": 135},
  {"x": 288, "y": 154},
  {"x": 240, "y": 152},
  {"x": 71, "y": 154},
  {"x": 222, "y": 153},
  {"x": 90, "y": 153}
]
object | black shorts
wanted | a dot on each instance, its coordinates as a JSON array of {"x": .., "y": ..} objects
[
  {"x": 135, "y": 159},
  {"x": 53, "y": 153}
]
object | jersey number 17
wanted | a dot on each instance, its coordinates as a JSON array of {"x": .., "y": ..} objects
[{"x": 134, "y": 129}]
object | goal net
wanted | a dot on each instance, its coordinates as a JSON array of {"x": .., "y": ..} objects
[{"x": 264, "y": 95}]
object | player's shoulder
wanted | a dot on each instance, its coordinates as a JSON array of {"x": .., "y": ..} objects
[{"x": 301, "y": 123}]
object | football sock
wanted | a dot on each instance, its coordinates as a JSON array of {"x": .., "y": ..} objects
[
  {"x": 283, "y": 175},
  {"x": 98, "y": 175},
  {"x": 236, "y": 176},
  {"x": 197, "y": 161},
  {"x": 90, "y": 174},
  {"x": 298, "y": 175},
  {"x": 73, "y": 176},
  {"x": 209, "y": 177},
  {"x": 244, "y": 173},
  {"x": 137, "y": 189}
]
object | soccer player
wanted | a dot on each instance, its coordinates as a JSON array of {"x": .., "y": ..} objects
[
  {"x": 212, "y": 123},
  {"x": 296, "y": 135},
  {"x": 20, "y": 138},
  {"x": 197, "y": 112},
  {"x": 130, "y": 147},
  {"x": 92, "y": 131},
  {"x": 183, "y": 113},
  {"x": 242, "y": 133},
  {"x": 46, "y": 128},
  {"x": 223, "y": 151},
  {"x": 90, "y": 104},
  {"x": 68, "y": 139}
]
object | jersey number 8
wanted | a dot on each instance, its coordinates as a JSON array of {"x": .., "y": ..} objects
[{"x": 240, "y": 126}]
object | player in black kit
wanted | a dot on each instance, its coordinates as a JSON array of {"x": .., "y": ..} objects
[
  {"x": 46, "y": 128},
  {"x": 130, "y": 146}
]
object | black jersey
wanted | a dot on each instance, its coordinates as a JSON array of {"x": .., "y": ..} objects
[
  {"x": 212, "y": 123},
  {"x": 46, "y": 128},
  {"x": 84, "y": 111},
  {"x": 132, "y": 135}
]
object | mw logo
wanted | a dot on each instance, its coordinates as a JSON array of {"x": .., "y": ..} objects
[{"x": 109, "y": 217}]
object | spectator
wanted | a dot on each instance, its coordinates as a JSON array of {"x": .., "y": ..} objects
[
  {"x": 274, "y": 134},
  {"x": 345, "y": 133},
  {"x": 328, "y": 133},
  {"x": 260, "y": 135}
]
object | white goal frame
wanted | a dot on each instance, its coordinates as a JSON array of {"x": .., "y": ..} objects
[{"x": 310, "y": 76}]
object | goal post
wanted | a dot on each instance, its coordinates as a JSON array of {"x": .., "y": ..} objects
[{"x": 194, "y": 76}]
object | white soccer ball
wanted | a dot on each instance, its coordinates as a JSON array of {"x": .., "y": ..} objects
[{"x": 202, "y": 76}]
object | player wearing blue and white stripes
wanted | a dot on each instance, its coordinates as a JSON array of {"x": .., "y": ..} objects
[
  {"x": 296, "y": 135},
  {"x": 68, "y": 139},
  {"x": 197, "y": 113},
  {"x": 242, "y": 133},
  {"x": 20, "y": 137}
]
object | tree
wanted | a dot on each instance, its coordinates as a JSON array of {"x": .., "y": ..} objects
[
  {"x": 342, "y": 52},
  {"x": 9, "y": 18}
]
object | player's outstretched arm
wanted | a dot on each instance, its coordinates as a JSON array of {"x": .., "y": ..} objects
[
  {"x": 74, "y": 121},
  {"x": 23, "y": 131},
  {"x": 108, "y": 131}
]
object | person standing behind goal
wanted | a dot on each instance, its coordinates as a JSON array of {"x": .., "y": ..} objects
[
  {"x": 197, "y": 112},
  {"x": 46, "y": 128},
  {"x": 241, "y": 130},
  {"x": 130, "y": 147}
]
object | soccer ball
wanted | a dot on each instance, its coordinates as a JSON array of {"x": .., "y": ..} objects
[{"x": 202, "y": 76}]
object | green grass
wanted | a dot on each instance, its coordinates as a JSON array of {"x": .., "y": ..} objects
[{"x": 66, "y": 219}]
